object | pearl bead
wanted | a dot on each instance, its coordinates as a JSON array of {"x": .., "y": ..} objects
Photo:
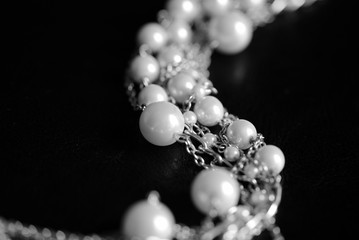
[
  {"x": 186, "y": 10},
  {"x": 258, "y": 198},
  {"x": 190, "y": 117},
  {"x": 199, "y": 91},
  {"x": 241, "y": 132},
  {"x": 160, "y": 122},
  {"x": 152, "y": 93},
  {"x": 144, "y": 67},
  {"x": 180, "y": 31},
  {"x": 148, "y": 219},
  {"x": 153, "y": 35},
  {"x": 231, "y": 153},
  {"x": 209, "y": 139},
  {"x": 170, "y": 55},
  {"x": 180, "y": 87},
  {"x": 216, "y": 7},
  {"x": 232, "y": 32},
  {"x": 272, "y": 157},
  {"x": 215, "y": 189},
  {"x": 209, "y": 111},
  {"x": 251, "y": 171}
]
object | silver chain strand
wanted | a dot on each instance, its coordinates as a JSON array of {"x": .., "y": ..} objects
[{"x": 197, "y": 56}]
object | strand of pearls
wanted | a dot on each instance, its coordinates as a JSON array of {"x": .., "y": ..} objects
[{"x": 239, "y": 188}]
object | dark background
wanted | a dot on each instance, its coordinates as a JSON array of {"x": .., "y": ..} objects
[{"x": 72, "y": 157}]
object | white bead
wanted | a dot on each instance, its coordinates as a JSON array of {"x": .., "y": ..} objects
[
  {"x": 144, "y": 67},
  {"x": 199, "y": 91},
  {"x": 160, "y": 122},
  {"x": 152, "y": 93},
  {"x": 231, "y": 153},
  {"x": 190, "y": 117},
  {"x": 209, "y": 139},
  {"x": 258, "y": 198},
  {"x": 153, "y": 35},
  {"x": 180, "y": 87},
  {"x": 251, "y": 171},
  {"x": 215, "y": 189},
  {"x": 241, "y": 132},
  {"x": 209, "y": 111},
  {"x": 186, "y": 10},
  {"x": 232, "y": 32},
  {"x": 179, "y": 31},
  {"x": 170, "y": 55},
  {"x": 272, "y": 157},
  {"x": 147, "y": 219},
  {"x": 216, "y": 7}
]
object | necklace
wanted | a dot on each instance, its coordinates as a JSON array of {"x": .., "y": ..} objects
[{"x": 239, "y": 189}]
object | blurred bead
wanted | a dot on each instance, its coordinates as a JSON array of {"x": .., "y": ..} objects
[
  {"x": 216, "y": 7},
  {"x": 144, "y": 67},
  {"x": 153, "y": 35},
  {"x": 186, "y": 10},
  {"x": 160, "y": 122},
  {"x": 251, "y": 4},
  {"x": 180, "y": 87},
  {"x": 231, "y": 153},
  {"x": 210, "y": 139},
  {"x": 232, "y": 32},
  {"x": 170, "y": 55},
  {"x": 272, "y": 157},
  {"x": 215, "y": 189},
  {"x": 241, "y": 132},
  {"x": 209, "y": 111},
  {"x": 152, "y": 93},
  {"x": 147, "y": 219},
  {"x": 258, "y": 198},
  {"x": 190, "y": 117},
  {"x": 180, "y": 31},
  {"x": 199, "y": 91},
  {"x": 251, "y": 171}
]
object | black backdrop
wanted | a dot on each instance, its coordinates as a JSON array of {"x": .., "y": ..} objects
[{"x": 72, "y": 157}]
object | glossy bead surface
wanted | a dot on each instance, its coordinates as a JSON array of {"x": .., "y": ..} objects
[
  {"x": 241, "y": 132},
  {"x": 216, "y": 7},
  {"x": 215, "y": 189},
  {"x": 199, "y": 91},
  {"x": 179, "y": 31},
  {"x": 251, "y": 171},
  {"x": 272, "y": 157},
  {"x": 144, "y": 67},
  {"x": 232, "y": 32},
  {"x": 186, "y": 10},
  {"x": 146, "y": 219},
  {"x": 152, "y": 93},
  {"x": 180, "y": 87},
  {"x": 209, "y": 111},
  {"x": 231, "y": 153},
  {"x": 209, "y": 139},
  {"x": 160, "y": 122},
  {"x": 153, "y": 35},
  {"x": 169, "y": 55},
  {"x": 190, "y": 117}
]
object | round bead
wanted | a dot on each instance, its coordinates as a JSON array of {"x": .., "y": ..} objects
[
  {"x": 231, "y": 153},
  {"x": 179, "y": 31},
  {"x": 199, "y": 91},
  {"x": 258, "y": 198},
  {"x": 186, "y": 10},
  {"x": 153, "y": 35},
  {"x": 152, "y": 93},
  {"x": 160, "y": 122},
  {"x": 272, "y": 157},
  {"x": 170, "y": 55},
  {"x": 144, "y": 67},
  {"x": 215, "y": 189},
  {"x": 209, "y": 111},
  {"x": 146, "y": 219},
  {"x": 209, "y": 139},
  {"x": 180, "y": 87},
  {"x": 251, "y": 171},
  {"x": 216, "y": 7},
  {"x": 190, "y": 117},
  {"x": 241, "y": 132},
  {"x": 232, "y": 32}
]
